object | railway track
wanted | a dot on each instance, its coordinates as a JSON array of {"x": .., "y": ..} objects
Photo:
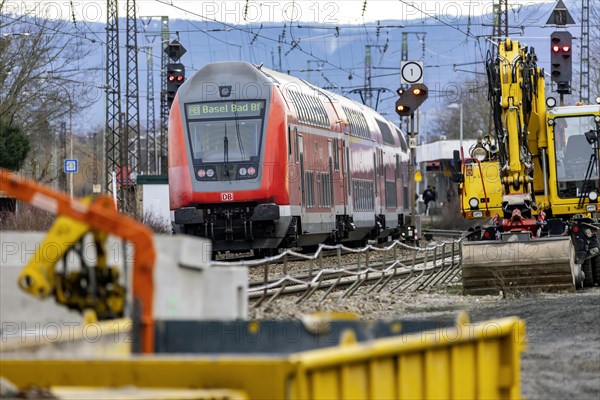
[
  {"x": 396, "y": 265},
  {"x": 305, "y": 274},
  {"x": 414, "y": 277}
]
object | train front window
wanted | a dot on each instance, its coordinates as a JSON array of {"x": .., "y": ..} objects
[
  {"x": 574, "y": 155},
  {"x": 225, "y": 141},
  {"x": 225, "y": 131}
]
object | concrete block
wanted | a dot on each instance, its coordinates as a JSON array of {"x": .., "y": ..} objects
[{"x": 188, "y": 288}]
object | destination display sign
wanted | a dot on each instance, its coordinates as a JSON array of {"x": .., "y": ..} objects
[{"x": 225, "y": 109}]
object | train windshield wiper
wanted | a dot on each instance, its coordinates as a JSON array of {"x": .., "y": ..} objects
[
  {"x": 239, "y": 137},
  {"x": 225, "y": 146}
]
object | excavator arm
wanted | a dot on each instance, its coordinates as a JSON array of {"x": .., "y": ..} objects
[
  {"x": 515, "y": 186},
  {"x": 92, "y": 288},
  {"x": 98, "y": 287}
]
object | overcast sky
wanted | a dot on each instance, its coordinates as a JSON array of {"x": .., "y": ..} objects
[{"x": 255, "y": 11}]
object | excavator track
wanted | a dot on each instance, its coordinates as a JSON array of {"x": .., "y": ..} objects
[{"x": 542, "y": 264}]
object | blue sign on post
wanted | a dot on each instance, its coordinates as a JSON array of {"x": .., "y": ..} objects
[{"x": 71, "y": 166}]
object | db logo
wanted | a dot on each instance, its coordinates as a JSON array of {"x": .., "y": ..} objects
[{"x": 226, "y": 196}]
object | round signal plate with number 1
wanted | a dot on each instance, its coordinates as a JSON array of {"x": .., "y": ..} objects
[{"x": 411, "y": 72}]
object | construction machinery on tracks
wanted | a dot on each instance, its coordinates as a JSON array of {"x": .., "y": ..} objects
[{"x": 536, "y": 179}]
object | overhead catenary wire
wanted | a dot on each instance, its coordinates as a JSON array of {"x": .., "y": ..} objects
[{"x": 246, "y": 30}]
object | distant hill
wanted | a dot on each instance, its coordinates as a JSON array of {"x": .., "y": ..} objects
[{"x": 452, "y": 49}]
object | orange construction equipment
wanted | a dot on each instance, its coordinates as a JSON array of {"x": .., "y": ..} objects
[{"x": 102, "y": 217}]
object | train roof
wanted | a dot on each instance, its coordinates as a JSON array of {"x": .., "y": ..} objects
[
  {"x": 285, "y": 80},
  {"x": 246, "y": 73},
  {"x": 282, "y": 79}
]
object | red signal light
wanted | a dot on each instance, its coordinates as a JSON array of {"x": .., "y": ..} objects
[
  {"x": 575, "y": 229},
  {"x": 555, "y": 48},
  {"x": 566, "y": 49},
  {"x": 171, "y": 78},
  {"x": 180, "y": 78}
]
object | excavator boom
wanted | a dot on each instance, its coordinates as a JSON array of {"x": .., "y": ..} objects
[{"x": 102, "y": 218}]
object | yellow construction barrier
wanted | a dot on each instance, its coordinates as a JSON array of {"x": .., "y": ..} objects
[{"x": 465, "y": 361}]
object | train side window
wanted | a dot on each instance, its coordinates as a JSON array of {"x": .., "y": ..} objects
[
  {"x": 348, "y": 177},
  {"x": 375, "y": 172},
  {"x": 310, "y": 189},
  {"x": 319, "y": 191},
  {"x": 336, "y": 155},
  {"x": 397, "y": 172},
  {"x": 289, "y": 140},
  {"x": 358, "y": 123},
  {"x": 296, "y": 144},
  {"x": 386, "y": 132},
  {"x": 403, "y": 144},
  {"x": 312, "y": 108}
]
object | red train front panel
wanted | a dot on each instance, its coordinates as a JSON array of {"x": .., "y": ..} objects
[{"x": 227, "y": 163}]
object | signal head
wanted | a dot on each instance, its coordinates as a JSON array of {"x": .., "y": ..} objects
[
  {"x": 410, "y": 99},
  {"x": 175, "y": 78},
  {"x": 560, "y": 59}
]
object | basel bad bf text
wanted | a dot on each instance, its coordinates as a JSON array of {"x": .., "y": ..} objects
[{"x": 228, "y": 109}]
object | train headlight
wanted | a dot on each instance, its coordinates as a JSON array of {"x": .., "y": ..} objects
[
  {"x": 243, "y": 171},
  {"x": 251, "y": 171},
  {"x": 479, "y": 153},
  {"x": 551, "y": 122},
  {"x": 593, "y": 196},
  {"x": 210, "y": 172},
  {"x": 473, "y": 202},
  {"x": 201, "y": 173},
  {"x": 477, "y": 214},
  {"x": 590, "y": 207}
]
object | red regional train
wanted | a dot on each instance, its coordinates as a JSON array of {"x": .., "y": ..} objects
[{"x": 262, "y": 160}]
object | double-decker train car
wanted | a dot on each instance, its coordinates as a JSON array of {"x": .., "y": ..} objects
[{"x": 262, "y": 160}]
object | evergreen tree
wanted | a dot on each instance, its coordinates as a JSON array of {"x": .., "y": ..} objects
[{"x": 14, "y": 146}]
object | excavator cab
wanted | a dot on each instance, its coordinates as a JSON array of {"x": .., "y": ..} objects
[{"x": 573, "y": 153}]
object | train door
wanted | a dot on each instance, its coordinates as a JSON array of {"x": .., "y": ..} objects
[
  {"x": 382, "y": 178},
  {"x": 339, "y": 181},
  {"x": 398, "y": 185},
  {"x": 300, "y": 152},
  {"x": 375, "y": 181},
  {"x": 330, "y": 198},
  {"x": 349, "y": 205}
]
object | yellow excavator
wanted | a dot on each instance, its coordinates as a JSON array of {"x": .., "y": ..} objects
[
  {"x": 95, "y": 290},
  {"x": 535, "y": 179}
]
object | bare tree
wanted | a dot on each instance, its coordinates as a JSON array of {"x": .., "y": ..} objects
[
  {"x": 39, "y": 58},
  {"x": 476, "y": 110}
]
